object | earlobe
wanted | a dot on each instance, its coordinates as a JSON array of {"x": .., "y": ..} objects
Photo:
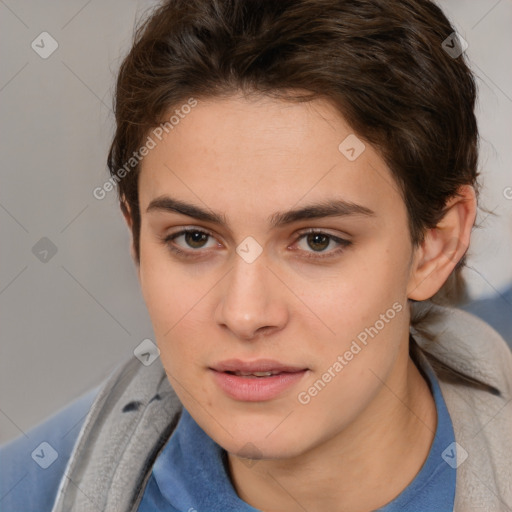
[{"x": 443, "y": 246}]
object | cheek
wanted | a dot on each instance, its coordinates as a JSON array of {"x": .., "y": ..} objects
[
  {"x": 351, "y": 365},
  {"x": 354, "y": 296},
  {"x": 166, "y": 289},
  {"x": 365, "y": 320},
  {"x": 167, "y": 292},
  {"x": 176, "y": 299}
]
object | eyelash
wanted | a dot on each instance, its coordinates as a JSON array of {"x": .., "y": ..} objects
[{"x": 186, "y": 254}]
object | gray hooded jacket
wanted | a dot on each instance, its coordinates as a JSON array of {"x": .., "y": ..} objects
[{"x": 113, "y": 457}]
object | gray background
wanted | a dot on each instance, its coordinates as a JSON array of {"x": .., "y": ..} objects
[{"x": 68, "y": 321}]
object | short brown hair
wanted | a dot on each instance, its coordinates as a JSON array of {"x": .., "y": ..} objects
[{"x": 380, "y": 63}]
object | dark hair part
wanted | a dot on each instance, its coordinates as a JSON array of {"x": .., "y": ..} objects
[{"x": 381, "y": 64}]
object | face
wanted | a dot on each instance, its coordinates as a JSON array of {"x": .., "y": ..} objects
[{"x": 282, "y": 309}]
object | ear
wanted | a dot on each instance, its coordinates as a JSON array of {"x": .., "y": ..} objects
[
  {"x": 125, "y": 209},
  {"x": 443, "y": 246}
]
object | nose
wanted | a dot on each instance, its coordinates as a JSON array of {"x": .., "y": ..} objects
[{"x": 252, "y": 302}]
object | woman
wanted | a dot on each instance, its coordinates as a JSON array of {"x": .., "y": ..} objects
[{"x": 299, "y": 179}]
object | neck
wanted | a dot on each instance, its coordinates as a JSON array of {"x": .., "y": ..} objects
[{"x": 361, "y": 468}]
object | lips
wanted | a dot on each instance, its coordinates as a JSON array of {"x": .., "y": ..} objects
[
  {"x": 255, "y": 374},
  {"x": 254, "y": 381},
  {"x": 237, "y": 366}
]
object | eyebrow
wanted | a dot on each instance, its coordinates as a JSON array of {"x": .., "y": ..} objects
[{"x": 327, "y": 208}]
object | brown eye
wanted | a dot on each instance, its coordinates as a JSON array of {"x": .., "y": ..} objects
[
  {"x": 314, "y": 241},
  {"x": 196, "y": 239},
  {"x": 190, "y": 242},
  {"x": 318, "y": 241}
]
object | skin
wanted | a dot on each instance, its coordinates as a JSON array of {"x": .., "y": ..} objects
[{"x": 246, "y": 159}]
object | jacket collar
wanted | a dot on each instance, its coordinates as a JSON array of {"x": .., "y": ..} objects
[{"x": 464, "y": 342}]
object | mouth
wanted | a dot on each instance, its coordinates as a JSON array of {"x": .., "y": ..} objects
[
  {"x": 254, "y": 381},
  {"x": 256, "y": 374},
  {"x": 258, "y": 368}
]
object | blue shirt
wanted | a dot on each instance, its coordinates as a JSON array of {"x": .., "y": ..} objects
[{"x": 190, "y": 474}]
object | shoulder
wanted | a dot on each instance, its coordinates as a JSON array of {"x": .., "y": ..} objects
[
  {"x": 496, "y": 311},
  {"x": 468, "y": 344},
  {"x": 32, "y": 465},
  {"x": 482, "y": 420}
]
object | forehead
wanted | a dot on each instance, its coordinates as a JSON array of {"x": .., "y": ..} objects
[{"x": 236, "y": 153}]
